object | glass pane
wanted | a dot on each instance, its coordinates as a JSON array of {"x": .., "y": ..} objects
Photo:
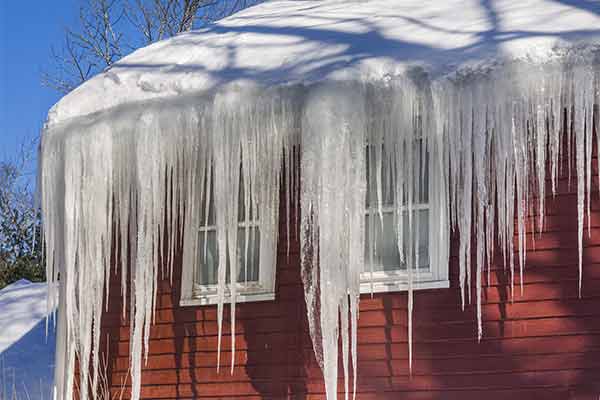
[
  {"x": 206, "y": 273},
  {"x": 210, "y": 196},
  {"x": 242, "y": 203},
  {"x": 388, "y": 179},
  {"x": 248, "y": 269},
  {"x": 422, "y": 184},
  {"x": 382, "y": 250}
]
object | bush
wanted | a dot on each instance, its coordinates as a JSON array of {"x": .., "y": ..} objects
[{"x": 29, "y": 268}]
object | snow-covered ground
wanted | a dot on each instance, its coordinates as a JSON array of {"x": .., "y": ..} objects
[{"x": 26, "y": 353}]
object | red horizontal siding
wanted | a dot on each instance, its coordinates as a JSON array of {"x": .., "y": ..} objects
[{"x": 541, "y": 344}]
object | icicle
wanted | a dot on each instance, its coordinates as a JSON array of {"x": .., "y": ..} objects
[
  {"x": 466, "y": 194},
  {"x": 333, "y": 198},
  {"x": 133, "y": 172},
  {"x": 481, "y": 192},
  {"x": 141, "y": 174},
  {"x": 410, "y": 265}
]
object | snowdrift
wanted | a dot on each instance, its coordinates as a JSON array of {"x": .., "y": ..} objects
[{"x": 26, "y": 352}]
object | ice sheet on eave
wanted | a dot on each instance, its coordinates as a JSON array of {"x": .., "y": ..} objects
[{"x": 287, "y": 42}]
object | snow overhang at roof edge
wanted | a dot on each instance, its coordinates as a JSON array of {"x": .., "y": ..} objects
[
  {"x": 581, "y": 54},
  {"x": 280, "y": 43}
]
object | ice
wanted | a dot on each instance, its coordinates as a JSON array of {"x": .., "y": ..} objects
[
  {"x": 125, "y": 181},
  {"x": 333, "y": 188},
  {"x": 120, "y": 186}
]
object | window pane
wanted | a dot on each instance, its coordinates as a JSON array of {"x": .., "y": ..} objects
[
  {"x": 242, "y": 217},
  {"x": 208, "y": 195},
  {"x": 249, "y": 269},
  {"x": 387, "y": 184},
  {"x": 252, "y": 213},
  {"x": 206, "y": 273},
  {"x": 382, "y": 250},
  {"x": 387, "y": 175},
  {"x": 421, "y": 186}
]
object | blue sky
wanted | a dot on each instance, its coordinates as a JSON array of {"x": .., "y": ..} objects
[{"x": 27, "y": 31}]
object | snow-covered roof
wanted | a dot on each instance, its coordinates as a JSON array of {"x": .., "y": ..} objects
[{"x": 302, "y": 41}]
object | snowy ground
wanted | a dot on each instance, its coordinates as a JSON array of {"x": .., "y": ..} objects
[{"x": 26, "y": 353}]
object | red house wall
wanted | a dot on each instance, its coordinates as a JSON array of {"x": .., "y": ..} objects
[{"x": 543, "y": 345}]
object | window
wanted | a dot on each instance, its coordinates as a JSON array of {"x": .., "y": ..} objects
[
  {"x": 425, "y": 248},
  {"x": 255, "y": 274}
]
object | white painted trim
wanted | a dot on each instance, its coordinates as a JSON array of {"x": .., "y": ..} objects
[
  {"x": 211, "y": 299},
  {"x": 399, "y": 286},
  {"x": 194, "y": 294},
  {"x": 436, "y": 275}
]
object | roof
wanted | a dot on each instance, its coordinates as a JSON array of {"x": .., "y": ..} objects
[{"x": 302, "y": 41}]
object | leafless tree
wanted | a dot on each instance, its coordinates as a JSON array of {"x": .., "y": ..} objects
[
  {"x": 110, "y": 29},
  {"x": 18, "y": 213},
  {"x": 96, "y": 44},
  {"x": 20, "y": 250}
]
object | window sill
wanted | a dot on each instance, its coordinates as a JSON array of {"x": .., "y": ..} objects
[
  {"x": 211, "y": 299},
  {"x": 396, "y": 286}
]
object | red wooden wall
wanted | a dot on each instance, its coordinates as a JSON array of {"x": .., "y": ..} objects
[{"x": 543, "y": 345}]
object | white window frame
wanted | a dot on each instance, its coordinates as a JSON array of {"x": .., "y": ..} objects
[
  {"x": 261, "y": 290},
  {"x": 195, "y": 294},
  {"x": 437, "y": 275}
]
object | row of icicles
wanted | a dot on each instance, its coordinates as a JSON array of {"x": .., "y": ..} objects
[{"x": 486, "y": 146}]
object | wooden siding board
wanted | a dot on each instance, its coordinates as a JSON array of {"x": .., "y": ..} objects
[{"x": 541, "y": 344}]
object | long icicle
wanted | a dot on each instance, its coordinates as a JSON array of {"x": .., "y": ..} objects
[{"x": 121, "y": 174}]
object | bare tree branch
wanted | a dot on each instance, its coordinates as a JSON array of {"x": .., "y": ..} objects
[
  {"x": 109, "y": 29},
  {"x": 20, "y": 222},
  {"x": 19, "y": 218}
]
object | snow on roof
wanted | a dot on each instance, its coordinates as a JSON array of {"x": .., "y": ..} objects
[
  {"x": 302, "y": 41},
  {"x": 26, "y": 353}
]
